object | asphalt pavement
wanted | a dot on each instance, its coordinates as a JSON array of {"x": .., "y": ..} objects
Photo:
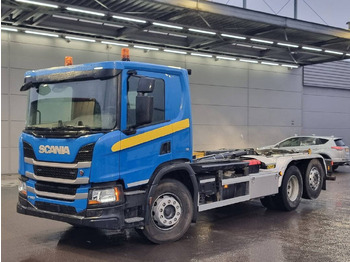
[{"x": 319, "y": 230}]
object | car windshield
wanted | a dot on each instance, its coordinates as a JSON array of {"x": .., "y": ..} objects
[{"x": 90, "y": 104}]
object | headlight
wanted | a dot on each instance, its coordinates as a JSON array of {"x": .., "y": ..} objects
[
  {"x": 22, "y": 188},
  {"x": 106, "y": 195}
]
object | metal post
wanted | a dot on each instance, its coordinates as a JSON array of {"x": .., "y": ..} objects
[
  {"x": 295, "y": 9},
  {"x": 245, "y": 4}
]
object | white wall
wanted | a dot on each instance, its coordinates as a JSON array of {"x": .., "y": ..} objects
[{"x": 235, "y": 104}]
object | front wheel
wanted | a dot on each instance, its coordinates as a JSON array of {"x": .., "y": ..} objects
[
  {"x": 171, "y": 212},
  {"x": 313, "y": 179}
]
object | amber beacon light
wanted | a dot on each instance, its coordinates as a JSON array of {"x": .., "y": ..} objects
[
  {"x": 125, "y": 54},
  {"x": 68, "y": 60}
]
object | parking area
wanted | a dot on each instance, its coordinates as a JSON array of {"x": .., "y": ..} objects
[{"x": 318, "y": 230}]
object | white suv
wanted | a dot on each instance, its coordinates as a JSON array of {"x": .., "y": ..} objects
[{"x": 328, "y": 146}]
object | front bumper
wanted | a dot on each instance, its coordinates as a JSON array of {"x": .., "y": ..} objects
[{"x": 104, "y": 218}]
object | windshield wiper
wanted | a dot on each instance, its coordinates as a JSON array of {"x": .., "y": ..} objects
[{"x": 71, "y": 127}]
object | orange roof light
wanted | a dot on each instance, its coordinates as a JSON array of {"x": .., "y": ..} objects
[
  {"x": 68, "y": 60},
  {"x": 125, "y": 54}
]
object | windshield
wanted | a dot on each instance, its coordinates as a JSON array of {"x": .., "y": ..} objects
[{"x": 90, "y": 104}]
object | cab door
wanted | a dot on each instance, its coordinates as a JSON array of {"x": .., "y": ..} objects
[{"x": 147, "y": 146}]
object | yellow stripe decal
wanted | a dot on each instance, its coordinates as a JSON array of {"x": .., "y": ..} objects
[{"x": 150, "y": 135}]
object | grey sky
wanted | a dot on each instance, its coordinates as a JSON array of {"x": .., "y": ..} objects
[{"x": 333, "y": 12}]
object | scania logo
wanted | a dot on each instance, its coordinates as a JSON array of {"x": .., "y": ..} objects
[{"x": 61, "y": 150}]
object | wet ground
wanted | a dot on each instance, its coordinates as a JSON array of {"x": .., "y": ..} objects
[{"x": 319, "y": 230}]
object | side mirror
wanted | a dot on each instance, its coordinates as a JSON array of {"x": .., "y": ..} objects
[
  {"x": 146, "y": 85},
  {"x": 27, "y": 86},
  {"x": 144, "y": 110}
]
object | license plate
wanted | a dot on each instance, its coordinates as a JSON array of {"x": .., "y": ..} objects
[{"x": 346, "y": 149}]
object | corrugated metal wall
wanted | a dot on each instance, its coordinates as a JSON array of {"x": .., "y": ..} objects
[
  {"x": 326, "y": 100},
  {"x": 328, "y": 75}
]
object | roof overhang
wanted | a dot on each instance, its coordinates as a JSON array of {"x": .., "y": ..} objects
[{"x": 193, "y": 26}]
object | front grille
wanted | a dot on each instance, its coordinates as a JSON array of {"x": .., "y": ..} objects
[
  {"x": 55, "y": 208},
  {"x": 85, "y": 153},
  {"x": 28, "y": 150},
  {"x": 56, "y": 188},
  {"x": 56, "y": 172}
]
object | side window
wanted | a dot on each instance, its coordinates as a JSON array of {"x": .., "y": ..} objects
[
  {"x": 321, "y": 141},
  {"x": 158, "y": 95},
  {"x": 290, "y": 142},
  {"x": 307, "y": 141}
]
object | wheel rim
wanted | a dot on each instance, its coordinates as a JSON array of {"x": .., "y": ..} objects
[
  {"x": 166, "y": 211},
  {"x": 314, "y": 178},
  {"x": 293, "y": 188}
]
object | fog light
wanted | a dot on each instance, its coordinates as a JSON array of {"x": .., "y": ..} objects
[
  {"x": 22, "y": 188},
  {"x": 108, "y": 195}
]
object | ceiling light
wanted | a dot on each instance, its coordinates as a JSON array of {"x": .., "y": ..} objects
[
  {"x": 347, "y": 54},
  {"x": 288, "y": 45},
  {"x": 89, "y": 21},
  {"x": 176, "y": 35},
  {"x": 80, "y": 39},
  {"x": 226, "y": 58},
  {"x": 146, "y": 47},
  {"x": 261, "y": 41},
  {"x": 312, "y": 48},
  {"x": 9, "y": 29},
  {"x": 201, "y": 31},
  {"x": 243, "y": 45},
  {"x": 175, "y": 51},
  {"x": 37, "y": 3},
  {"x": 113, "y": 43},
  {"x": 291, "y": 66},
  {"x": 166, "y": 25},
  {"x": 234, "y": 36},
  {"x": 203, "y": 55},
  {"x": 129, "y": 19},
  {"x": 333, "y": 52},
  {"x": 258, "y": 47},
  {"x": 65, "y": 17},
  {"x": 40, "y": 33},
  {"x": 84, "y": 11},
  {"x": 113, "y": 25},
  {"x": 248, "y": 61},
  {"x": 269, "y": 63},
  {"x": 155, "y": 32}
]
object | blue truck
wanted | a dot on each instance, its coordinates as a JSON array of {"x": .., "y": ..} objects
[{"x": 109, "y": 145}]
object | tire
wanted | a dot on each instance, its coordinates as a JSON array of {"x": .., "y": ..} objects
[
  {"x": 171, "y": 212},
  {"x": 313, "y": 180},
  {"x": 269, "y": 202},
  {"x": 291, "y": 190}
]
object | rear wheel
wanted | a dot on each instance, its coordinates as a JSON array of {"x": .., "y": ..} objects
[
  {"x": 313, "y": 180},
  {"x": 171, "y": 212},
  {"x": 291, "y": 190}
]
